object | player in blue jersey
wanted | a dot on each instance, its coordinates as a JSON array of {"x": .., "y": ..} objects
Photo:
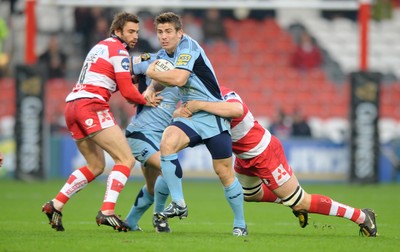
[
  {"x": 196, "y": 79},
  {"x": 144, "y": 135}
]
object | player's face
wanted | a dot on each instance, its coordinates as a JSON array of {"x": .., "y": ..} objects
[
  {"x": 129, "y": 34},
  {"x": 168, "y": 37}
]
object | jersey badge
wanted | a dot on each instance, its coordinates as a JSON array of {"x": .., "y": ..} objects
[
  {"x": 89, "y": 122},
  {"x": 183, "y": 59},
  {"x": 125, "y": 63}
]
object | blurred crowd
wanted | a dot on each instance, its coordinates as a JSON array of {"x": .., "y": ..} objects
[{"x": 61, "y": 52}]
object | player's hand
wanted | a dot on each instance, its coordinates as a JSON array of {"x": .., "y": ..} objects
[
  {"x": 157, "y": 100},
  {"x": 151, "y": 96},
  {"x": 182, "y": 112},
  {"x": 135, "y": 79},
  {"x": 193, "y": 106}
]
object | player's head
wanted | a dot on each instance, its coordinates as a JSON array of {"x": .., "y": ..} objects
[
  {"x": 126, "y": 27},
  {"x": 169, "y": 30}
]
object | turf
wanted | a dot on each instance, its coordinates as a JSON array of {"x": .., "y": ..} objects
[{"x": 271, "y": 227}]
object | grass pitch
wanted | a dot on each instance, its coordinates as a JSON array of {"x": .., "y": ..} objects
[{"x": 272, "y": 227}]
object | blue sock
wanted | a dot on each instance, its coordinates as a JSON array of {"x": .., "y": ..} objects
[
  {"x": 172, "y": 173},
  {"x": 161, "y": 193},
  {"x": 234, "y": 195},
  {"x": 143, "y": 201}
]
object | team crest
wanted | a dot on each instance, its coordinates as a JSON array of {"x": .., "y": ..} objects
[
  {"x": 89, "y": 122},
  {"x": 125, "y": 63}
]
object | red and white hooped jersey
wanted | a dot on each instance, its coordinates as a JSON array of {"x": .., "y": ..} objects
[
  {"x": 106, "y": 62},
  {"x": 249, "y": 138}
]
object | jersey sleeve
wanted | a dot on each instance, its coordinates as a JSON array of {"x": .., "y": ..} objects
[
  {"x": 187, "y": 55},
  {"x": 232, "y": 97},
  {"x": 120, "y": 60},
  {"x": 128, "y": 91}
]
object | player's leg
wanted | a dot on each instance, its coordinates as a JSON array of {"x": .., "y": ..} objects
[
  {"x": 145, "y": 147},
  {"x": 81, "y": 177},
  {"x": 173, "y": 140},
  {"x": 294, "y": 196},
  {"x": 220, "y": 148},
  {"x": 254, "y": 190},
  {"x": 145, "y": 196},
  {"x": 161, "y": 193},
  {"x": 113, "y": 141},
  {"x": 76, "y": 181}
]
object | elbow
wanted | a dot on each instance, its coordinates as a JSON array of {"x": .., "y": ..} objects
[
  {"x": 181, "y": 80},
  {"x": 237, "y": 112}
]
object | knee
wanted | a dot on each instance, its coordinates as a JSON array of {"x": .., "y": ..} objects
[
  {"x": 252, "y": 187},
  {"x": 253, "y": 193},
  {"x": 298, "y": 200},
  {"x": 167, "y": 148},
  {"x": 294, "y": 199},
  {"x": 224, "y": 172}
]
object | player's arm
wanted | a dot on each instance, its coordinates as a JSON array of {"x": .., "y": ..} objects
[
  {"x": 128, "y": 91},
  {"x": 229, "y": 109},
  {"x": 171, "y": 78},
  {"x": 151, "y": 94}
]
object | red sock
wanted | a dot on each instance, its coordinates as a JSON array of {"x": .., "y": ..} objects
[
  {"x": 115, "y": 183},
  {"x": 324, "y": 205},
  {"x": 76, "y": 182},
  {"x": 269, "y": 196}
]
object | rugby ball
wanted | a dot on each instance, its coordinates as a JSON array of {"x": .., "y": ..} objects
[{"x": 164, "y": 65}]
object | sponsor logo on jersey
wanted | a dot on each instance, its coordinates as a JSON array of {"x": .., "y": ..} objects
[
  {"x": 280, "y": 175},
  {"x": 183, "y": 59},
  {"x": 105, "y": 119},
  {"x": 123, "y": 52},
  {"x": 145, "y": 56},
  {"x": 125, "y": 63}
]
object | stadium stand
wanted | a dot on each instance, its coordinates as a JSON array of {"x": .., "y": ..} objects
[{"x": 256, "y": 64}]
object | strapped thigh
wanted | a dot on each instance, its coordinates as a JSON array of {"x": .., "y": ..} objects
[{"x": 295, "y": 198}]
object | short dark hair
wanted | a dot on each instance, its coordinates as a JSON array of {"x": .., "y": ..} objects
[
  {"x": 169, "y": 17},
  {"x": 120, "y": 19}
]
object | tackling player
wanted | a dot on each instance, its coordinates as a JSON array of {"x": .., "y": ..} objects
[
  {"x": 105, "y": 70},
  {"x": 264, "y": 172}
]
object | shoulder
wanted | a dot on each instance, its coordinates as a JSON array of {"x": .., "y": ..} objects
[
  {"x": 187, "y": 43},
  {"x": 115, "y": 47},
  {"x": 230, "y": 95}
]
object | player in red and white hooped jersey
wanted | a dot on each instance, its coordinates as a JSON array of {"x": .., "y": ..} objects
[
  {"x": 249, "y": 138},
  {"x": 263, "y": 170},
  {"x": 105, "y": 70}
]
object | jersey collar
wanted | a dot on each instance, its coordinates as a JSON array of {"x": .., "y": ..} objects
[{"x": 123, "y": 42}]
